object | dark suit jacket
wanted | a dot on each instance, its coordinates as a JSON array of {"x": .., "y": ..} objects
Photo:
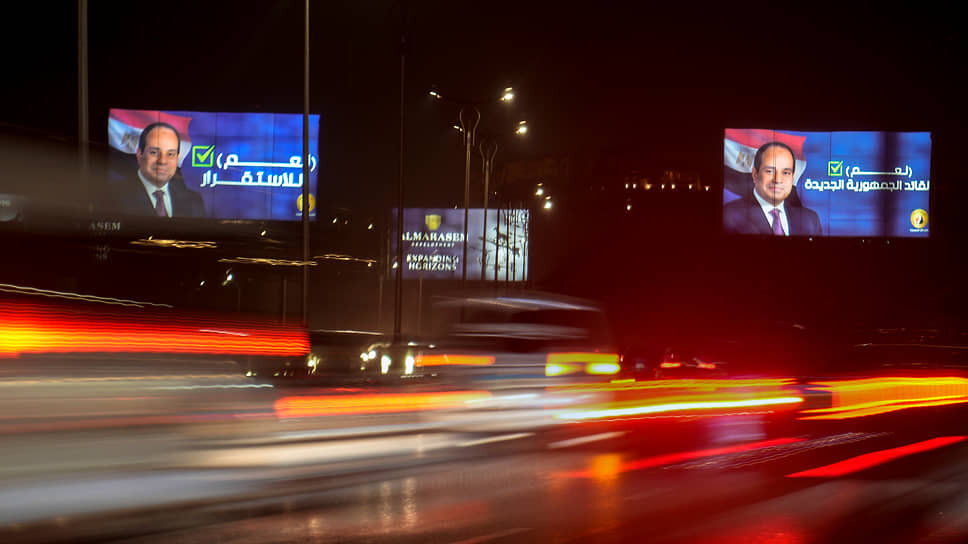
[
  {"x": 130, "y": 198},
  {"x": 745, "y": 216}
]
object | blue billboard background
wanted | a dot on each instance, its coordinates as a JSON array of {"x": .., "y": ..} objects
[
  {"x": 244, "y": 165},
  {"x": 859, "y": 183}
]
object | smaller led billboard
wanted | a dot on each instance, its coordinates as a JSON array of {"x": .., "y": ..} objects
[
  {"x": 433, "y": 244},
  {"x": 792, "y": 183},
  {"x": 214, "y": 165}
]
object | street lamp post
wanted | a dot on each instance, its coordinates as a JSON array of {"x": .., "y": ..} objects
[
  {"x": 468, "y": 130},
  {"x": 488, "y": 151},
  {"x": 470, "y": 118}
]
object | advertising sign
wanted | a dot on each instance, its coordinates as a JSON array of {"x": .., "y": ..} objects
[
  {"x": 214, "y": 165},
  {"x": 793, "y": 183}
]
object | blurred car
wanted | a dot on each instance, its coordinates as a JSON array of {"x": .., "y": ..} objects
[{"x": 531, "y": 336}]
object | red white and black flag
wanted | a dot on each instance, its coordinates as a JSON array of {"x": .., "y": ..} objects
[
  {"x": 740, "y": 147},
  {"x": 125, "y": 126}
]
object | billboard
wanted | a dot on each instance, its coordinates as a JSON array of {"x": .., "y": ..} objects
[
  {"x": 794, "y": 183},
  {"x": 245, "y": 166},
  {"x": 433, "y": 244}
]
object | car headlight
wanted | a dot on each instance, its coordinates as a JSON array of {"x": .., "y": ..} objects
[
  {"x": 385, "y": 364},
  {"x": 408, "y": 364}
]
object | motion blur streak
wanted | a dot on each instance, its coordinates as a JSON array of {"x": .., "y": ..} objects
[
  {"x": 41, "y": 328},
  {"x": 868, "y": 460},
  {"x": 444, "y": 360},
  {"x": 555, "y": 369},
  {"x": 619, "y": 386},
  {"x": 671, "y": 458},
  {"x": 374, "y": 403},
  {"x": 582, "y": 357},
  {"x": 680, "y": 405},
  {"x": 871, "y": 396}
]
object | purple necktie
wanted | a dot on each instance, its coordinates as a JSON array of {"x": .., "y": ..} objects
[
  {"x": 777, "y": 225},
  {"x": 160, "y": 210}
]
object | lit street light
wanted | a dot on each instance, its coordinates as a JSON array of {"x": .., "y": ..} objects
[
  {"x": 508, "y": 95},
  {"x": 522, "y": 127},
  {"x": 470, "y": 118}
]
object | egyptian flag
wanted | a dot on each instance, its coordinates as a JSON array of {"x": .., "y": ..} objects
[
  {"x": 740, "y": 148},
  {"x": 125, "y": 126}
]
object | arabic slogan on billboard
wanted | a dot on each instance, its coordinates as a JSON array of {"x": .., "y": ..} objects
[
  {"x": 827, "y": 183},
  {"x": 220, "y": 165},
  {"x": 433, "y": 244}
]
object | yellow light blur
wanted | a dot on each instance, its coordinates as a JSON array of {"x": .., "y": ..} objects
[
  {"x": 452, "y": 359},
  {"x": 681, "y": 406},
  {"x": 583, "y": 357},
  {"x": 870, "y": 396}
]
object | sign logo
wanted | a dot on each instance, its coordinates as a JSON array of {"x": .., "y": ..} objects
[
  {"x": 835, "y": 168},
  {"x": 432, "y": 221},
  {"x": 919, "y": 219},
  {"x": 312, "y": 203},
  {"x": 203, "y": 156}
]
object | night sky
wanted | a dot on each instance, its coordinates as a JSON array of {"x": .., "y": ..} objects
[
  {"x": 658, "y": 84},
  {"x": 658, "y": 81}
]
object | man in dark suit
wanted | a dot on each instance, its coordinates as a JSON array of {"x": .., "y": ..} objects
[
  {"x": 766, "y": 209},
  {"x": 157, "y": 190}
]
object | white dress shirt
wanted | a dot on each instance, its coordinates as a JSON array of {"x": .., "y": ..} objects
[
  {"x": 151, "y": 188},
  {"x": 767, "y": 208}
]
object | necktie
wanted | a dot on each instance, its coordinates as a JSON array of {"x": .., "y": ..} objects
[
  {"x": 160, "y": 210},
  {"x": 777, "y": 225}
]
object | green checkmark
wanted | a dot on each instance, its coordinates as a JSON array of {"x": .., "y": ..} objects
[
  {"x": 835, "y": 168},
  {"x": 203, "y": 155}
]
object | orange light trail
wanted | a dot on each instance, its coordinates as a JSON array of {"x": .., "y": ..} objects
[
  {"x": 671, "y": 458},
  {"x": 42, "y": 328},
  {"x": 692, "y": 385},
  {"x": 868, "y": 460},
  {"x": 872, "y": 396},
  {"x": 450, "y": 359},
  {"x": 374, "y": 403}
]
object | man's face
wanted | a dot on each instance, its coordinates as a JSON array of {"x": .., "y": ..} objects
[
  {"x": 774, "y": 180},
  {"x": 159, "y": 159}
]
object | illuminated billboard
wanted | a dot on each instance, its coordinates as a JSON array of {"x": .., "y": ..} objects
[
  {"x": 212, "y": 165},
  {"x": 793, "y": 183},
  {"x": 433, "y": 244}
]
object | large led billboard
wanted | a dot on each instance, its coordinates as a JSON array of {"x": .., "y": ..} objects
[
  {"x": 433, "y": 244},
  {"x": 245, "y": 166},
  {"x": 794, "y": 183}
]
